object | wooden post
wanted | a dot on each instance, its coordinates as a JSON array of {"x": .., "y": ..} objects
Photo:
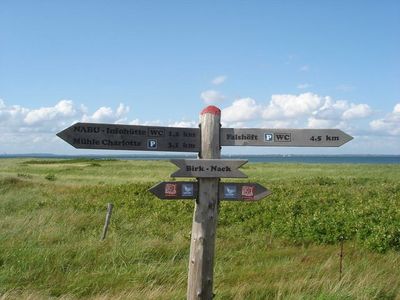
[
  {"x": 341, "y": 258},
  {"x": 108, "y": 217},
  {"x": 201, "y": 259}
]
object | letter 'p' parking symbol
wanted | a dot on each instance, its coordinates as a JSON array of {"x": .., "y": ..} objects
[
  {"x": 152, "y": 144},
  {"x": 268, "y": 137}
]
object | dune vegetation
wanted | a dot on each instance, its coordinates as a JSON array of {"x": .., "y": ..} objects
[{"x": 285, "y": 246}]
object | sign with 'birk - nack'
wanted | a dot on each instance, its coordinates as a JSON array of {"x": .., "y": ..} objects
[{"x": 209, "y": 168}]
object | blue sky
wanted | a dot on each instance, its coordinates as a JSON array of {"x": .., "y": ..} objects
[{"x": 299, "y": 64}]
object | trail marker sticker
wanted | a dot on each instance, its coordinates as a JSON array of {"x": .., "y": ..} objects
[
  {"x": 230, "y": 191},
  {"x": 187, "y": 190},
  {"x": 170, "y": 190},
  {"x": 248, "y": 192}
]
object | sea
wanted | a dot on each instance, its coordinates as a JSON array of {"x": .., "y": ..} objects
[{"x": 311, "y": 159}]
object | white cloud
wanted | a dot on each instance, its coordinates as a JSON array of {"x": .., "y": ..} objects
[
  {"x": 122, "y": 110},
  {"x": 64, "y": 108},
  {"x": 184, "y": 124},
  {"x": 290, "y": 111},
  {"x": 357, "y": 111},
  {"x": 107, "y": 115},
  {"x": 280, "y": 124},
  {"x": 212, "y": 97},
  {"x": 303, "y": 86},
  {"x": 33, "y": 130},
  {"x": 244, "y": 109},
  {"x": 17, "y": 119},
  {"x": 290, "y": 106},
  {"x": 103, "y": 114},
  {"x": 146, "y": 123},
  {"x": 342, "y": 110},
  {"x": 331, "y": 110},
  {"x": 390, "y": 124},
  {"x": 320, "y": 123},
  {"x": 219, "y": 80},
  {"x": 396, "y": 109}
]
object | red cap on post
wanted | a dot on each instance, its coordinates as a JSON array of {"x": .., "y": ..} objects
[{"x": 211, "y": 110}]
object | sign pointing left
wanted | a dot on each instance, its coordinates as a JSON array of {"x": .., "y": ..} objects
[{"x": 131, "y": 137}]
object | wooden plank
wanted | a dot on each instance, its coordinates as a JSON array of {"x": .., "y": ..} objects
[
  {"x": 234, "y": 191},
  {"x": 209, "y": 168},
  {"x": 283, "y": 137},
  {"x": 131, "y": 137},
  {"x": 170, "y": 190},
  {"x": 204, "y": 226}
]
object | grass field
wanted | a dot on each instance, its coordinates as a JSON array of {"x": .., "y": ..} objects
[{"x": 283, "y": 247}]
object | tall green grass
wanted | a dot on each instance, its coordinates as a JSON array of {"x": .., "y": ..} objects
[{"x": 283, "y": 247}]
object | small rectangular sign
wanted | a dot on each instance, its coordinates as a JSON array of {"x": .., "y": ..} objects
[
  {"x": 229, "y": 191},
  {"x": 132, "y": 137},
  {"x": 283, "y": 137},
  {"x": 170, "y": 189},
  {"x": 209, "y": 168}
]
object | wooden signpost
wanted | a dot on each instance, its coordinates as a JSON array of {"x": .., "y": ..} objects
[{"x": 208, "y": 169}]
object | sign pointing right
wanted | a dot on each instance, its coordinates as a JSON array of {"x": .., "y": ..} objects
[
  {"x": 235, "y": 191},
  {"x": 283, "y": 137}
]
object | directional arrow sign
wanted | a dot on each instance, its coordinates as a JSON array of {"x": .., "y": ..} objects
[
  {"x": 176, "y": 190},
  {"x": 235, "y": 191},
  {"x": 283, "y": 137},
  {"x": 211, "y": 168},
  {"x": 131, "y": 137},
  {"x": 231, "y": 191}
]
